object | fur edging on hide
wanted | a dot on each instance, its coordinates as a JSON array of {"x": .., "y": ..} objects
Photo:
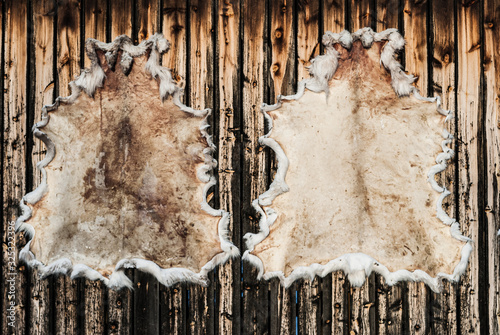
[
  {"x": 357, "y": 266},
  {"x": 89, "y": 80}
]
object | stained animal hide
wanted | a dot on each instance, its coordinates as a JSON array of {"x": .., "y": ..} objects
[
  {"x": 126, "y": 176},
  {"x": 355, "y": 190}
]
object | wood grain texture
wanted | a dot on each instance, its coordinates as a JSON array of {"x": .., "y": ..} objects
[
  {"x": 119, "y": 310},
  {"x": 491, "y": 61},
  {"x": 121, "y": 17},
  {"x": 362, "y": 14},
  {"x": 67, "y": 292},
  {"x": 201, "y": 312},
  {"x": 147, "y": 19},
  {"x": 468, "y": 112},
  {"x": 387, "y": 14},
  {"x": 95, "y": 14},
  {"x": 174, "y": 30},
  {"x": 415, "y": 33},
  {"x": 14, "y": 165},
  {"x": 282, "y": 47},
  {"x": 255, "y": 71},
  {"x": 362, "y": 301},
  {"x": 308, "y": 35},
  {"x": 309, "y": 307},
  {"x": 334, "y": 16},
  {"x": 229, "y": 122},
  {"x": 43, "y": 94},
  {"x": 442, "y": 311}
]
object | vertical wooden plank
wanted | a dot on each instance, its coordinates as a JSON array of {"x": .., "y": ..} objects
[
  {"x": 230, "y": 146},
  {"x": 334, "y": 16},
  {"x": 387, "y": 14},
  {"x": 201, "y": 95},
  {"x": 282, "y": 308},
  {"x": 443, "y": 305},
  {"x": 146, "y": 304},
  {"x": 95, "y": 12},
  {"x": 174, "y": 20},
  {"x": 308, "y": 46},
  {"x": 362, "y": 14},
  {"x": 362, "y": 313},
  {"x": 309, "y": 307},
  {"x": 14, "y": 166},
  {"x": 255, "y": 293},
  {"x": 68, "y": 60},
  {"x": 119, "y": 310},
  {"x": 415, "y": 33},
  {"x": 415, "y": 30},
  {"x": 43, "y": 94},
  {"x": 147, "y": 19},
  {"x": 334, "y": 304},
  {"x": 339, "y": 301},
  {"x": 468, "y": 110},
  {"x": 174, "y": 30},
  {"x": 492, "y": 137},
  {"x": 94, "y": 306},
  {"x": 308, "y": 39},
  {"x": 282, "y": 47},
  {"x": 121, "y": 17}
]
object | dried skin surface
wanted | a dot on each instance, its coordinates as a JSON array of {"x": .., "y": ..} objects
[
  {"x": 358, "y": 175},
  {"x": 123, "y": 182}
]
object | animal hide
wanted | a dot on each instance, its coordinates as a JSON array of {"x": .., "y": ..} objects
[
  {"x": 355, "y": 188},
  {"x": 126, "y": 176}
]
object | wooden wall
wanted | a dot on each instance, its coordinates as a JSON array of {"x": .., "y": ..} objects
[{"x": 234, "y": 55}]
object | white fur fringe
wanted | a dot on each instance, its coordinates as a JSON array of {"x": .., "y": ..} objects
[
  {"x": 88, "y": 81},
  {"x": 357, "y": 266}
]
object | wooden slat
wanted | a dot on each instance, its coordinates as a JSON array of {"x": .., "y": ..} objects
[
  {"x": 334, "y": 16},
  {"x": 362, "y": 300},
  {"x": 255, "y": 72},
  {"x": 14, "y": 165},
  {"x": 387, "y": 14},
  {"x": 121, "y": 17},
  {"x": 95, "y": 12},
  {"x": 120, "y": 307},
  {"x": 308, "y": 39},
  {"x": 67, "y": 306},
  {"x": 174, "y": 20},
  {"x": 94, "y": 302},
  {"x": 334, "y": 305},
  {"x": 43, "y": 94},
  {"x": 362, "y": 14},
  {"x": 415, "y": 30},
  {"x": 492, "y": 138},
  {"x": 282, "y": 308},
  {"x": 340, "y": 302},
  {"x": 282, "y": 47},
  {"x": 309, "y": 307},
  {"x": 443, "y": 305},
  {"x": 147, "y": 19},
  {"x": 308, "y": 46},
  {"x": 174, "y": 30},
  {"x": 201, "y": 95},
  {"x": 468, "y": 110},
  {"x": 146, "y": 304},
  {"x": 230, "y": 135}
]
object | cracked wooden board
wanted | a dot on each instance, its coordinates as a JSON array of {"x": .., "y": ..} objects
[
  {"x": 126, "y": 176},
  {"x": 355, "y": 187}
]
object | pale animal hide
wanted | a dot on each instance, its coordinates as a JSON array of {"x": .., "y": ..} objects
[
  {"x": 355, "y": 188},
  {"x": 126, "y": 176}
]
